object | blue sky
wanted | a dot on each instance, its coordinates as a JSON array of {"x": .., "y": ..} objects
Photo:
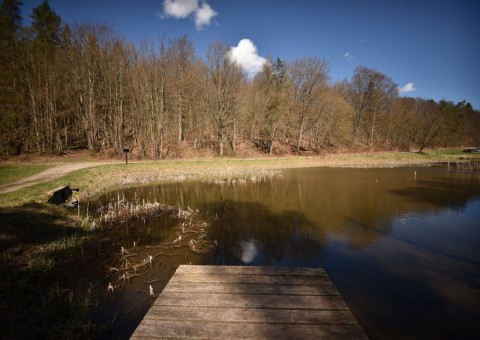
[{"x": 432, "y": 45}]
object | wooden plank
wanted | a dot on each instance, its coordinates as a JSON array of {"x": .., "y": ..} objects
[
  {"x": 192, "y": 269},
  {"x": 248, "y": 288},
  {"x": 250, "y": 301},
  {"x": 221, "y": 330},
  {"x": 300, "y": 316},
  {"x": 245, "y": 278}
]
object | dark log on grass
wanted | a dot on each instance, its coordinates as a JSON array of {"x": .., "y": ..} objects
[{"x": 60, "y": 195}]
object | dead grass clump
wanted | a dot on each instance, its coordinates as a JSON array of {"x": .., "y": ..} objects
[
  {"x": 130, "y": 263},
  {"x": 464, "y": 165}
]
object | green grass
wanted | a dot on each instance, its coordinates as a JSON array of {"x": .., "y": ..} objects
[
  {"x": 12, "y": 173},
  {"x": 38, "y": 192}
]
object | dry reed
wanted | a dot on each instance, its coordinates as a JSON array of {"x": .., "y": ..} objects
[{"x": 130, "y": 263}]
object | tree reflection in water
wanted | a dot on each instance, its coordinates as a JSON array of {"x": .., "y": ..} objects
[{"x": 400, "y": 244}]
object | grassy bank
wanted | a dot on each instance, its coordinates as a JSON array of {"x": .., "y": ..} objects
[
  {"x": 96, "y": 180},
  {"x": 42, "y": 246},
  {"x": 12, "y": 173},
  {"x": 39, "y": 246}
]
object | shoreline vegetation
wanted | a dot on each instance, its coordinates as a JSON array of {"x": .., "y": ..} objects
[
  {"x": 44, "y": 247},
  {"x": 114, "y": 174}
]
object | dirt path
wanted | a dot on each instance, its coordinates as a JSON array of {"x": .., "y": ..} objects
[{"x": 47, "y": 175}]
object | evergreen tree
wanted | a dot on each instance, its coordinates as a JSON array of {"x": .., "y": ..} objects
[
  {"x": 10, "y": 27},
  {"x": 272, "y": 86},
  {"x": 10, "y": 22},
  {"x": 42, "y": 75},
  {"x": 46, "y": 24},
  {"x": 279, "y": 70}
]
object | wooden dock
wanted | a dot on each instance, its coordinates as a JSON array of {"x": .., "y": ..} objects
[{"x": 249, "y": 302}]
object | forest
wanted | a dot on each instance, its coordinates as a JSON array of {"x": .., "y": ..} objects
[{"x": 80, "y": 86}]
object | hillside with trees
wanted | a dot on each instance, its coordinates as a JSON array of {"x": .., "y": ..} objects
[{"x": 80, "y": 86}]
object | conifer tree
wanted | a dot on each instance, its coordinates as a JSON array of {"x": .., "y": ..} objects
[
  {"x": 10, "y": 28},
  {"x": 46, "y": 24}
]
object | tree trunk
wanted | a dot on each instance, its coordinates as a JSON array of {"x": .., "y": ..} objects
[
  {"x": 300, "y": 133},
  {"x": 373, "y": 129},
  {"x": 220, "y": 144},
  {"x": 272, "y": 138},
  {"x": 180, "y": 115},
  {"x": 234, "y": 136}
]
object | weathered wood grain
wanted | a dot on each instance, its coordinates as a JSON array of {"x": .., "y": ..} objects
[
  {"x": 226, "y": 302},
  {"x": 299, "y": 316},
  {"x": 248, "y": 288},
  {"x": 282, "y": 271},
  {"x": 245, "y": 278},
  {"x": 221, "y": 330},
  {"x": 251, "y": 301}
]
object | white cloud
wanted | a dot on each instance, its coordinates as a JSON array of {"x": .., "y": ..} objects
[
  {"x": 181, "y": 9},
  {"x": 410, "y": 87},
  {"x": 245, "y": 54},
  {"x": 348, "y": 56},
  {"x": 360, "y": 42},
  {"x": 204, "y": 15}
]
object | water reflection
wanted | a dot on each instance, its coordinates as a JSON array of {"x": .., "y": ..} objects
[
  {"x": 402, "y": 245},
  {"x": 451, "y": 191},
  {"x": 421, "y": 281},
  {"x": 249, "y": 233},
  {"x": 359, "y": 204},
  {"x": 247, "y": 251}
]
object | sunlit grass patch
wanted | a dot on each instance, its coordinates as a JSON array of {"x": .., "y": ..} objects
[{"x": 12, "y": 173}]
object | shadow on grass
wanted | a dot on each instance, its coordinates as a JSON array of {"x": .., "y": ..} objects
[
  {"x": 33, "y": 224},
  {"x": 39, "y": 245}
]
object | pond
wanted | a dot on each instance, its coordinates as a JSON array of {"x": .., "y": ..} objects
[{"x": 401, "y": 245}]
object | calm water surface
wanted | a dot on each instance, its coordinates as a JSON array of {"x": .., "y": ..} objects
[{"x": 401, "y": 245}]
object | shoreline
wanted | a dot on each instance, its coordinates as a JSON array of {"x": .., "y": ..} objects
[
  {"x": 43, "y": 246},
  {"x": 94, "y": 177}
]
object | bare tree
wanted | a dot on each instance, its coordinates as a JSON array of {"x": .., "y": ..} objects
[
  {"x": 149, "y": 104},
  {"x": 307, "y": 76},
  {"x": 331, "y": 120},
  {"x": 224, "y": 77},
  {"x": 403, "y": 125},
  {"x": 87, "y": 79},
  {"x": 430, "y": 121},
  {"x": 370, "y": 93},
  {"x": 117, "y": 86},
  {"x": 198, "y": 109},
  {"x": 182, "y": 58}
]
